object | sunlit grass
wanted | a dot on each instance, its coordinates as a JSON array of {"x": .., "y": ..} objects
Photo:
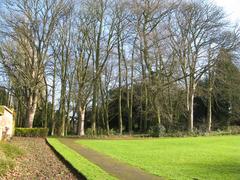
[
  {"x": 85, "y": 167},
  {"x": 177, "y": 158}
]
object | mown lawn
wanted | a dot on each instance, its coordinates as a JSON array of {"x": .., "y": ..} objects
[
  {"x": 8, "y": 154},
  {"x": 85, "y": 167},
  {"x": 177, "y": 158}
]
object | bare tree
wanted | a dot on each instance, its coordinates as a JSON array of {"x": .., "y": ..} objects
[
  {"x": 83, "y": 53},
  {"x": 192, "y": 29},
  {"x": 102, "y": 40},
  {"x": 28, "y": 26}
]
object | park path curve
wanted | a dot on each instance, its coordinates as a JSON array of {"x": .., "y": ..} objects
[{"x": 112, "y": 166}]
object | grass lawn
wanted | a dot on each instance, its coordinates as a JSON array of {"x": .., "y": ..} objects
[
  {"x": 177, "y": 158},
  {"x": 8, "y": 153},
  {"x": 88, "y": 169}
]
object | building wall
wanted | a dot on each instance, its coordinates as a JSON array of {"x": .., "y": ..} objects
[
  {"x": 0, "y": 128},
  {"x": 6, "y": 122}
]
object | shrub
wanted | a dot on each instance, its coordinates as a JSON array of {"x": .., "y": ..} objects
[
  {"x": 89, "y": 132},
  {"x": 176, "y": 134},
  {"x": 157, "y": 131},
  {"x": 103, "y": 132},
  {"x": 100, "y": 132},
  {"x": 234, "y": 129},
  {"x": 31, "y": 132}
]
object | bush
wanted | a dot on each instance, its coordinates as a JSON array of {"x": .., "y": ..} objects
[
  {"x": 31, "y": 132},
  {"x": 234, "y": 129},
  {"x": 89, "y": 132},
  {"x": 103, "y": 132},
  {"x": 157, "y": 131},
  {"x": 100, "y": 132}
]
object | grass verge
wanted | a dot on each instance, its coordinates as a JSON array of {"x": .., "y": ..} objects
[
  {"x": 82, "y": 165},
  {"x": 8, "y": 153},
  {"x": 177, "y": 158}
]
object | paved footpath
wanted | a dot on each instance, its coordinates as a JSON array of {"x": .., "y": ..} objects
[{"x": 112, "y": 166}]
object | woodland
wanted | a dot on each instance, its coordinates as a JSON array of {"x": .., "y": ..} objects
[{"x": 107, "y": 67}]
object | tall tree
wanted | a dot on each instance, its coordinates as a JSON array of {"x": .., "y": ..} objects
[
  {"x": 29, "y": 27},
  {"x": 102, "y": 42},
  {"x": 193, "y": 26}
]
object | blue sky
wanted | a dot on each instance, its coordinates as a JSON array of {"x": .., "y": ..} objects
[{"x": 232, "y": 9}]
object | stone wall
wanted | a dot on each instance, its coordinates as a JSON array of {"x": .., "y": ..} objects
[
  {"x": 6, "y": 122},
  {"x": 0, "y": 128}
]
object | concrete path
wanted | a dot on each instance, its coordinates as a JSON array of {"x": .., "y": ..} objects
[{"x": 112, "y": 166}]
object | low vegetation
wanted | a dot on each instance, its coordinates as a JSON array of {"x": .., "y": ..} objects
[
  {"x": 31, "y": 132},
  {"x": 82, "y": 165},
  {"x": 177, "y": 158},
  {"x": 8, "y": 154}
]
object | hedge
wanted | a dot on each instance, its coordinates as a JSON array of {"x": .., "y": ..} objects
[{"x": 31, "y": 132}]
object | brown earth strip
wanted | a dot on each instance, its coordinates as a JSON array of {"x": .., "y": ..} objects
[
  {"x": 38, "y": 162},
  {"x": 112, "y": 166}
]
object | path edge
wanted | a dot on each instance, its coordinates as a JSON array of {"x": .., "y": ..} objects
[
  {"x": 108, "y": 156},
  {"x": 73, "y": 170}
]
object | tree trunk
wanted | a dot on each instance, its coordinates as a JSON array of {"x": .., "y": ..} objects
[
  {"x": 53, "y": 96},
  {"x": 209, "y": 115},
  {"x": 96, "y": 76},
  {"x": 32, "y": 106},
  {"x": 106, "y": 119},
  {"x": 210, "y": 87},
  {"x": 81, "y": 120},
  {"x": 106, "y": 113},
  {"x": 120, "y": 110},
  {"x": 145, "y": 107},
  {"x": 46, "y": 104},
  {"x": 46, "y": 113},
  {"x": 120, "y": 89},
  {"x": 191, "y": 110},
  {"x": 158, "y": 116},
  {"x": 19, "y": 114},
  {"x": 148, "y": 68},
  {"x": 68, "y": 106},
  {"x": 62, "y": 108},
  {"x": 53, "y": 128},
  {"x": 140, "y": 124},
  {"x": 53, "y": 100},
  {"x": 130, "y": 120},
  {"x": 94, "y": 108}
]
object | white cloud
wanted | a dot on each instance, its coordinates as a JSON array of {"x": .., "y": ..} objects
[{"x": 232, "y": 9}]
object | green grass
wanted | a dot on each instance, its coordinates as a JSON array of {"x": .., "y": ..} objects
[
  {"x": 8, "y": 153},
  {"x": 177, "y": 158},
  {"x": 88, "y": 169}
]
